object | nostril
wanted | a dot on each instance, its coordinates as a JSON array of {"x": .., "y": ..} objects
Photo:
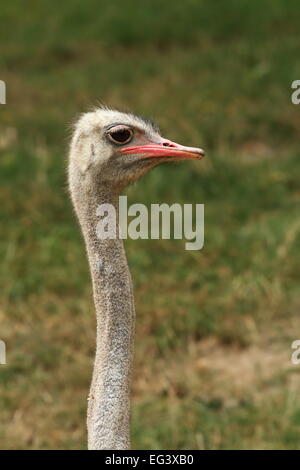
[{"x": 168, "y": 144}]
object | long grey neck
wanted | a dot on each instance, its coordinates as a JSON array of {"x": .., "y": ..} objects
[{"x": 109, "y": 400}]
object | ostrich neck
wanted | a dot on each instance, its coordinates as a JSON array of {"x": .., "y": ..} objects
[{"x": 109, "y": 399}]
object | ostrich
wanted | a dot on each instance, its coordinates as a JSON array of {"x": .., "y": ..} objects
[{"x": 109, "y": 150}]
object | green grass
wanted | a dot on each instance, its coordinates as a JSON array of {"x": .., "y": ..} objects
[{"x": 214, "y": 327}]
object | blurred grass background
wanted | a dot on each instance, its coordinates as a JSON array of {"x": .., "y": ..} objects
[{"x": 214, "y": 327}]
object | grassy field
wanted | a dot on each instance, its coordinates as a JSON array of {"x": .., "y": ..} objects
[{"x": 214, "y": 327}]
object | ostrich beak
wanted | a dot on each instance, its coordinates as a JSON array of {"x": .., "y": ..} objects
[{"x": 166, "y": 148}]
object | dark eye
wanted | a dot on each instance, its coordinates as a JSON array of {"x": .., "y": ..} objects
[{"x": 120, "y": 135}]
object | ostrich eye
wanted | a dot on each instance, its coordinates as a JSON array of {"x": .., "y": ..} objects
[{"x": 120, "y": 135}]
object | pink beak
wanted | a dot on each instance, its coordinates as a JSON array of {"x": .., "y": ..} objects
[{"x": 166, "y": 148}]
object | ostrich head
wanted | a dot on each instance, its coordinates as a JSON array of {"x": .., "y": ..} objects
[{"x": 118, "y": 148}]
